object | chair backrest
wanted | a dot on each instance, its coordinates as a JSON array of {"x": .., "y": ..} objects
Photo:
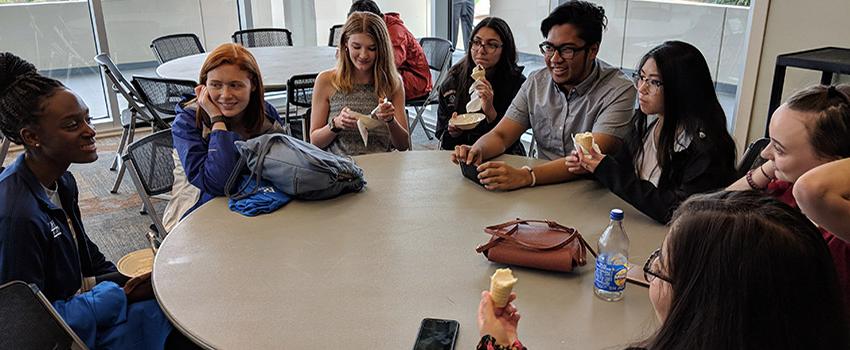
[
  {"x": 299, "y": 90},
  {"x": 151, "y": 158},
  {"x": 263, "y": 37},
  {"x": 122, "y": 86},
  {"x": 28, "y": 321},
  {"x": 438, "y": 52},
  {"x": 336, "y": 35},
  {"x": 751, "y": 156},
  {"x": 161, "y": 94},
  {"x": 169, "y": 47}
]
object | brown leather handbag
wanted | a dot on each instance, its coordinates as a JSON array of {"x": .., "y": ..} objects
[{"x": 540, "y": 244}]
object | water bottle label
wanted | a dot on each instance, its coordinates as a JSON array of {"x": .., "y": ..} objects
[{"x": 611, "y": 273}]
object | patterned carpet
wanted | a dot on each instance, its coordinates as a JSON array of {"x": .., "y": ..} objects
[{"x": 113, "y": 221}]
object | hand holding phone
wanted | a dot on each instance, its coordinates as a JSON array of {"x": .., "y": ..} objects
[
  {"x": 436, "y": 334},
  {"x": 470, "y": 171}
]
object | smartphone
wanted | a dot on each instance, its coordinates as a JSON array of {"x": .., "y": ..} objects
[
  {"x": 436, "y": 334},
  {"x": 470, "y": 171}
]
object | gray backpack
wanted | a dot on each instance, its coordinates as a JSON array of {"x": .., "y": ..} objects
[{"x": 295, "y": 167}]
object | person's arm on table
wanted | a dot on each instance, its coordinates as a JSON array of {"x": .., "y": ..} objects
[{"x": 823, "y": 194}]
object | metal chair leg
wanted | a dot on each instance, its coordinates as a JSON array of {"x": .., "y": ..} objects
[
  {"x": 419, "y": 119},
  {"x": 120, "y": 150}
]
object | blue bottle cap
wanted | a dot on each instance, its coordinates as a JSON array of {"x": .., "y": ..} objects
[{"x": 616, "y": 214}]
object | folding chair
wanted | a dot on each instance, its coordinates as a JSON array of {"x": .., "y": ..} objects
[
  {"x": 438, "y": 52},
  {"x": 752, "y": 157},
  {"x": 28, "y": 320},
  {"x": 336, "y": 35},
  {"x": 152, "y": 170},
  {"x": 4, "y": 149},
  {"x": 161, "y": 95},
  {"x": 136, "y": 114},
  {"x": 299, "y": 93},
  {"x": 169, "y": 47},
  {"x": 263, "y": 37}
]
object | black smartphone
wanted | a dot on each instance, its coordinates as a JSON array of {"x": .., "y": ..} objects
[
  {"x": 436, "y": 334},
  {"x": 470, "y": 171}
]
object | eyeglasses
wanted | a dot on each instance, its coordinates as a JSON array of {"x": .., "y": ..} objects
[
  {"x": 654, "y": 84},
  {"x": 565, "y": 51},
  {"x": 488, "y": 47},
  {"x": 650, "y": 263}
]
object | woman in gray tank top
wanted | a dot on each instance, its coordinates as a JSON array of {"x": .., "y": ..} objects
[{"x": 364, "y": 86}]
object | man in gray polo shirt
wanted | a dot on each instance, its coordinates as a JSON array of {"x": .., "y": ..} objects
[{"x": 575, "y": 93}]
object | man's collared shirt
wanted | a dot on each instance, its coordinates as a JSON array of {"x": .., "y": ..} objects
[{"x": 603, "y": 103}]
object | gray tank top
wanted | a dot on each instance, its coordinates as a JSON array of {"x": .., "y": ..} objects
[{"x": 348, "y": 142}]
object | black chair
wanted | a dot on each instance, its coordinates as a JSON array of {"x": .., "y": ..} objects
[
  {"x": 336, "y": 35},
  {"x": 299, "y": 93},
  {"x": 135, "y": 115},
  {"x": 438, "y": 52},
  {"x": 751, "y": 157},
  {"x": 169, "y": 47},
  {"x": 4, "y": 149},
  {"x": 263, "y": 37},
  {"x": 161, "y": 95},
  {"x": 28, "y": 320},
  {"x": 152, "y": 170}
]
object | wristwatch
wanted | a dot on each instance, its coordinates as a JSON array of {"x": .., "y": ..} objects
[
  {"x": 216, "y": 119},
  {"x": 334, "y": 129}
]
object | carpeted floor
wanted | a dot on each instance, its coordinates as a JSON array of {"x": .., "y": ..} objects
[{"x": 113, "y": 221}]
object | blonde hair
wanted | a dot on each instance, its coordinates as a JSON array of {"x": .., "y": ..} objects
[{"x": 385, "y": 75}]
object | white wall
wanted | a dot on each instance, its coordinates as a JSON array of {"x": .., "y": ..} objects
[{"x": 795, "y": 26}]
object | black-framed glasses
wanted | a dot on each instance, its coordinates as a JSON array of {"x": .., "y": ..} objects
[
  {"x": 650, "y": 263},
  {"x": 488, "y": 47},
  {"x": 654, "y": 84},
  {"x": 566, "y": 51}
]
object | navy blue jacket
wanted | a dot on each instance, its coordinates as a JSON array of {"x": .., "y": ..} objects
[
  {"x": 207, "y": 162},
  {"x": 36, "y": 244}
]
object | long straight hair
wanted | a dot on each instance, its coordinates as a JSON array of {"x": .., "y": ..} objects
[
  {"x": 690, "y": 104},
  {"x": 385, "y": 76},
  {"x": 749, "y": 272},
  {"x": 235, "y": 54},
  {"x": 504, "y": 70}
]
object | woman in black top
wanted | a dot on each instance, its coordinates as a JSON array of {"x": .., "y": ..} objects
[
  {"x": 680, "y": 145},
  {"x": 493, "y": 48}
]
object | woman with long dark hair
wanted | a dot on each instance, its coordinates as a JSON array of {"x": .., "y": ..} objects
[
  {"x": 680, "y": 145},
  {"x": 493, "y": 48},
  {"x": 738, "y": 270}
]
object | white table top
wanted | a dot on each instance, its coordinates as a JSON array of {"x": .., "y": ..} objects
[
  {"x": 277, "y": 64},
  {"x": 360, "y": 271}
]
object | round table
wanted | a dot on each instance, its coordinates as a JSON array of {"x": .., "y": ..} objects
[
  {"x": 277, "y": 64},
  {"x": 361, "y": 271}
]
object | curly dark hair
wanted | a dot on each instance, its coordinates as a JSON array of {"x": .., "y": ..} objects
[
  {"x": 22, "y": 90},
  {"x": 588, "y": 17}
]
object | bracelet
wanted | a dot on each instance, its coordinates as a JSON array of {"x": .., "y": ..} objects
[
  {"x": 533, "y": 177},
  {"x": 751, "y": 182},
  {"x": 761, "y": 167}
]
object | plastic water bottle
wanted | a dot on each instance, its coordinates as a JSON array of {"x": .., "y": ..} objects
[{"x": 612, "y": 264}]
